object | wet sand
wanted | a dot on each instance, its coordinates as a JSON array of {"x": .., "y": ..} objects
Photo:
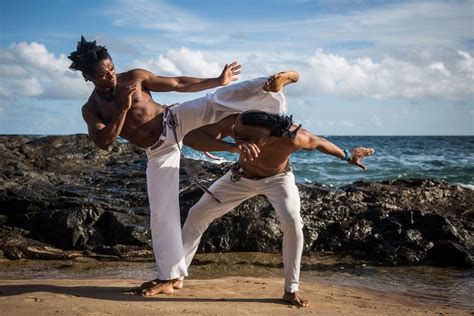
[{"x": 222, "y": 296}]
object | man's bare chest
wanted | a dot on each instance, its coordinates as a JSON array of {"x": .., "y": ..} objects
[
  {"x": 142, "y": 104},
  {"x": 271, "y": 156}
]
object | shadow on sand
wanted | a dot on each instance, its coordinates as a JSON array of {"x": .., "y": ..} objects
[{"x": 115, "y": 294}]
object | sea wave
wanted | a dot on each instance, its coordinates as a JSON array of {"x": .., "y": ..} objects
[{"x": 468, "y": 186}]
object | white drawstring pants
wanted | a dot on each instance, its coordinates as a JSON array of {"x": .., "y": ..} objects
[
  {"x": 282, "y": 193},
  {"x": 162, "y": 171}
]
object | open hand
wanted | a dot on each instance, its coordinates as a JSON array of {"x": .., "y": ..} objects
[
  {"x": 247, "y": 151},
  {"x": 126, "y": 92},
  {"x": 229, "y": 73},
  {"x": 359, "y": 153}
]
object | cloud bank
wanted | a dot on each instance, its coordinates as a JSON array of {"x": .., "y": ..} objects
[
  {"x": 390, "y": 78},
  {"x": 30, "y": 70},
  {"x": 182, "y": 62},
  {"x": 336, "y": 75}
]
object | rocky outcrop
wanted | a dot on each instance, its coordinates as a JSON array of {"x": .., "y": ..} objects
[{"x": 61, "y": 197}]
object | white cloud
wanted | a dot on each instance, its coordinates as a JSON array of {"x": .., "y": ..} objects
[
  {"x": 181, "y": 62},
  {"x": 440, "y": 67},
  {"x": 390, "y": 78},
  {"x": 332, "y": 74},
  {"x": 26, "y": 86},
  {"x": 36, "y": 56},
  {"x": 29, "y": 69},
  {"x": 466, "y": 64}
]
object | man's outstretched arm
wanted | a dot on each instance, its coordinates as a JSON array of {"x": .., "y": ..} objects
[
  {"x": 308, "y": 141},
  {"x": 189, "y": 84},
  {"x": 209, "y": 138}
]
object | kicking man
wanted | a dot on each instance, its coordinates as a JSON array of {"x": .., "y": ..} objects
[{"x": 121, "y": 104}]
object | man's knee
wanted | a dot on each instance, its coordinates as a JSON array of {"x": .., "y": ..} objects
[
  {"x": 198, "y": 218},
  {"x": 291, "y": 212},
  {"x": 292, "y": 221}
]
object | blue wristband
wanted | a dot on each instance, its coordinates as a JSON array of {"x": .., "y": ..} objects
[{"x": 347, "y": 155}]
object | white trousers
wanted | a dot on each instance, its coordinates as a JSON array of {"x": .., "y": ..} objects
[
  {"x": 282, "y": 193},
  {"x": 162, "y": 171}
]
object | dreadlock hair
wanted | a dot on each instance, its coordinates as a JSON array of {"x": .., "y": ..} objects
[
  {"x": 279, "y": 125},
  {"x": 87, "y": 55}
]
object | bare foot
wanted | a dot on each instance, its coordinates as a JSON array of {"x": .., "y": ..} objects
[
  {"x": 277, "y": 81},
  {"x": 138, "y": 290},
  {"x": 295, "y": 299},
  {"x": 161, "y": 287},
  {"x": 177, "y": 284}
]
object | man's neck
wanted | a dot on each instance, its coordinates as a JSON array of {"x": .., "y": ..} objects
[{"x": 107, "y": 93}]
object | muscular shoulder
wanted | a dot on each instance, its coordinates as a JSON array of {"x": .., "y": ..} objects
[
  {"x": 90, "y": 105},
  {"x": 88, "y": 108},
  {"x": 225, "y": 125},
  {"x": 288, "y": 144},
  {"x": 137, "y": 74},
  {"x": 306, "y": 140},
  {"x": 303, "y": 138}
]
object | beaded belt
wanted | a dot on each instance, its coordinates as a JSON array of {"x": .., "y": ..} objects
[
  {"x": 167, "y": 115},
  {"x": 238, "y": 171}
]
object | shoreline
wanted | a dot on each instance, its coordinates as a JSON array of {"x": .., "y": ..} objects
[
  {"x": 425, "y": 285},
  {"x": 231, "y": 295}
]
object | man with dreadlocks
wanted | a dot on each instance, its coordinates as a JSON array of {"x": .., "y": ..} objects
[
  {"x": 122, "y": 105},
  {"x": 262, "y": 170}
]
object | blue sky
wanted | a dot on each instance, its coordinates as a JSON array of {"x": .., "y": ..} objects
[{"x": 367, "y": 67}]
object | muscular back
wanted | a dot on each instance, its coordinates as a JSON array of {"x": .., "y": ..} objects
[
  {"x": 274, "y": 151},
  {"x": 273, "y": 158},
  {"x": 272, "y": 155}
]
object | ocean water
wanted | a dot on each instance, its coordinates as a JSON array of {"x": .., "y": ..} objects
[{"x": 450, "y": 158}]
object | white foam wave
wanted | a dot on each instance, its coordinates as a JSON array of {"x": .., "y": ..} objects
[{"x": 468, "y": 186}]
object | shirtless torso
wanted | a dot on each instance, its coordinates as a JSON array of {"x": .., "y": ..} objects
[
  {"x": 122, "y": 105},
  {"x": 273, "y": 157},
  {"x": 266, "y": 156},
  {"x": 143, "y": 121},
  {"x": 262, "y": 155}
]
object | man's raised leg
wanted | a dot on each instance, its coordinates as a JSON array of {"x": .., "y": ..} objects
[
  {"x": 265, "y": 94},
  {"x": 277, "y": 81}
]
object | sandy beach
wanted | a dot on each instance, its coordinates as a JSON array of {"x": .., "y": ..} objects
[{"x": 231, "y": 296}]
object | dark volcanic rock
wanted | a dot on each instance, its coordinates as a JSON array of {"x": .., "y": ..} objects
[{"x": 61, "y": 197}]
